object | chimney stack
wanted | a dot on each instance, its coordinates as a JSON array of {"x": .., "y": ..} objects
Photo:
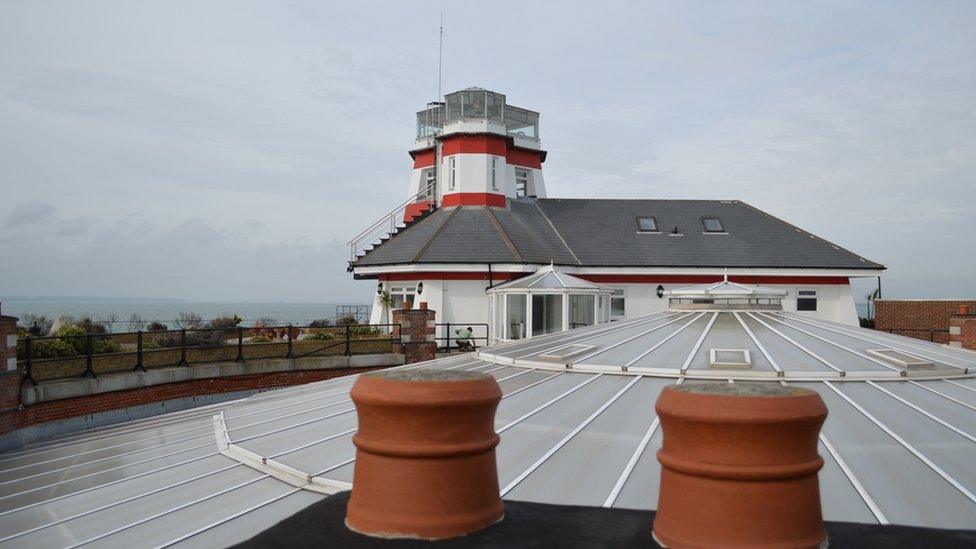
[
  {"x": 739, "y": 466},
  {"x": 425, "y": 454}
]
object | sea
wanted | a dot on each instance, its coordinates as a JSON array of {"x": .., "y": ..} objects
[{"x": 166, "y": 310}]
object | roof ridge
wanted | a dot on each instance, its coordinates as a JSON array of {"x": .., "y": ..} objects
[
  {"x": 501, "y": 232},
  {"x": 555, "y": 230},
  {"x": 423, "y": 249}
]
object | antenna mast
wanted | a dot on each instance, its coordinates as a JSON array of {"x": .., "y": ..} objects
[{"x": 440, "y": 57}]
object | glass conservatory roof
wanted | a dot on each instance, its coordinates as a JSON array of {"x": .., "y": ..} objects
[
  {"x": 549, "y": 278},
  {"x": 725, "y": 289},
  {"x": 576, "y": 428}
]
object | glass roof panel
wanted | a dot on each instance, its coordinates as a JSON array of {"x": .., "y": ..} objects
[
  {"x": 727, "y": 333},
  {"x": 908, "y": 491},
  {"x": 596, "y": 456},
  {"x": 528, "y": 440}
]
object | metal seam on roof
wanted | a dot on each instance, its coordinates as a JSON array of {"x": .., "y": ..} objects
[
  {"x": 522, "y": 476},
  {"x": 918, "y": 454},
  {"x": 852, "y": 478},
  {"x": 927, "y": 414}
]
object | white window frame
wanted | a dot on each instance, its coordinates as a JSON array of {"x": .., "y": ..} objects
[
  {"x": 807, "y": 293},
  {"x": 430, "y": 178},
  {"x": 622, "y": 296},
  {"x": 494, "y": 170},
  {"x": 403, "y": 291},
  {"x": 524, "y": 190},
  {"x": 452, "y": 167}
]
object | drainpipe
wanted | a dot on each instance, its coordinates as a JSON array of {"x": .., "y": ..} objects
[{"x": 491, "y": 278}]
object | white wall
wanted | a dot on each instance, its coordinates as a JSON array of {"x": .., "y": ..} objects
[
  {"x": 465, "y": 302},
  {"x": 834, "y": 301}
]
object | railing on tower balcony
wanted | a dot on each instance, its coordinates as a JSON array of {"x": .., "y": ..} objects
[{"x": 389, "y": 223}]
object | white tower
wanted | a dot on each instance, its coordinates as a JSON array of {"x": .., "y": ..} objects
[{"x": 474, "y": 150}]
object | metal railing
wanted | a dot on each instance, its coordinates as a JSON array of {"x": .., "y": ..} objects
[
  {"x": 390, "y": 222},
  {"x": 48, "y": 358},
  {"x": 451, "y": 329}
]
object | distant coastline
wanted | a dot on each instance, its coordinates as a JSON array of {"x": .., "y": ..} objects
[{"x": 86, "y": 299}]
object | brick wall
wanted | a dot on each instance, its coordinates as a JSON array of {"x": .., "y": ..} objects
[
  {"x": 416, "y": 331},
  {"x": 962, "y": 329},
  {"x": 9, "y": 373},
  {"x": 916, "y": 317},
  {"x": 72, "y": 407}
]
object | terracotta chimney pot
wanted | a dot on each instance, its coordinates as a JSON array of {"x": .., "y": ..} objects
[
  {"x": 407, "y": 305},
  {"x": 425, "y": 454},
  {"x": 739, "y": 466},
  {"x": 423, "y": 305},
  {"x": 963, "y": 309}
]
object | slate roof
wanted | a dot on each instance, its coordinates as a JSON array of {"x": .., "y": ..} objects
[{"x": 603, "y": 233}]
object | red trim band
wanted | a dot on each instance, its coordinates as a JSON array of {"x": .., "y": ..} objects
[
  {"x": 423, "y": 159},
  {"x": 628, "y": 279},
  {"x": 524, "y": 158},
  {"x": 473, "y": 199},
  {"x": 477, "y": 144}
]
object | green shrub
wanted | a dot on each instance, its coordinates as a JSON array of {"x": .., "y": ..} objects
[
  {"x": 71, "y": 341},
  {"x": 319, "y": 336},
  {"x": 259, "y": 339}
]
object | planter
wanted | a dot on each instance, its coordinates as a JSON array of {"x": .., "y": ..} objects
[
  {"x": 739, "y": 466},
  {"x": 425, "y": 454}
]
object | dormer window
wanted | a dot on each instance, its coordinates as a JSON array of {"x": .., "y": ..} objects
[
  {"x": 713, "y": 225},
  {"x": 647, "y": 225}
]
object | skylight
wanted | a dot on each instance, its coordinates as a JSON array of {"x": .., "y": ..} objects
[
  {"x": 712, "y": 225},
  {"x": 647, "y": 225}
]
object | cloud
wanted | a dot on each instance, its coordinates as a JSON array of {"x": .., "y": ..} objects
[
  {"x": 30, "y": 213},
  {"x": 228, "y": 150},
  {"x": 73, "y": 227}
]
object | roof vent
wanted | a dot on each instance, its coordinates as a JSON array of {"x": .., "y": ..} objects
[
  {"x": 562, "y": 353},
  {"x": 901, "y": 359},
  {"x": 729, "y": 358}
]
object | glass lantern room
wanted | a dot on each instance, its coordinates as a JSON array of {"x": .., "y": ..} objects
[
  {"x": 545, "y": 302},
  {"x": 477, "y": 104}
]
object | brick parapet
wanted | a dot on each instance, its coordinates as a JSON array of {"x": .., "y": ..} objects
[
  {"x": 416, "y": 330},
  {"x": 962, "y": 331},
  {"x": 921, "y": 319},
  {"x": 10, "y": 376},
  {"x": 86, "y": 405}
]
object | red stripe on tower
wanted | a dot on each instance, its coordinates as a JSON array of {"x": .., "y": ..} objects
[
  {"x": 474, "y": 199},
  {"x": 474, "y": 144}
]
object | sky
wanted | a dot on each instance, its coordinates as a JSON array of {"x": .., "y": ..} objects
[{"x": 229, "y": 150}]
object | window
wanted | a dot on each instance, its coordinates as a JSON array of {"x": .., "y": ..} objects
[
  {"x": 515, "y": 325},
  {"x": 581, "y": 311},
  {"x": 646, "y": 225},
  {"x": 521, "y": 182},
  {"x": 494, "y": 180},
  {"x": 617, "y": 306},
  {"x": 806, "y": 300},
  {"x": 401, "y": 294},
  {"x": 431, "y": 181},
  {"x": 547, "y": 314},
  {"x": 451, "y": 162},
  {"x": 712, "y": 225}
]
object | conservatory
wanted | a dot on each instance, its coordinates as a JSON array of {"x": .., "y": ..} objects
[{"x": 545, "y": 302}]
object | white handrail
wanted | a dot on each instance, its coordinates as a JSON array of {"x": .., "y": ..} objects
[{"x": 387, "y": 224}]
